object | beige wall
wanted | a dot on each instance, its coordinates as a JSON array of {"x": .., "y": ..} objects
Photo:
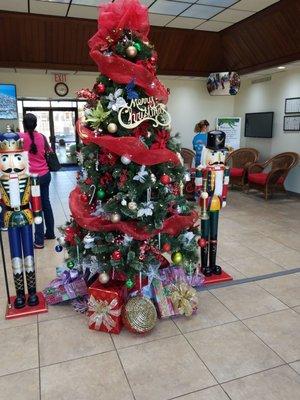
[
  {"x": 270, "y": 96},
  {"x": 189, "y": 102}
]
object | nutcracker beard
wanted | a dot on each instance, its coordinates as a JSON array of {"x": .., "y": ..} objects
[{"x": 16, "y": 193}]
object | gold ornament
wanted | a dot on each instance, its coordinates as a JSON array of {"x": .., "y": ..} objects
[
  {"x": 139, "y": 315},
  {"x": 103, "y": 278},
  {"x": 115, "y": 217},
  {"x": 112, "y": 127},
  {"x": 131, "y": 51},
  {"x": 177, "y": 257},
  {"x": 132, "y": 205},
  {"x": 184, "y": 299}
]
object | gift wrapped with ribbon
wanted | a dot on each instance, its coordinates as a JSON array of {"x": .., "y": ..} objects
[
  {"x": 69, "y": 285},
  {"x": 184, "y": 299},
  {"x": 105, "y": 306},
  {"x": 163, "y": 286},
  {"x": 102, "y": 313}
]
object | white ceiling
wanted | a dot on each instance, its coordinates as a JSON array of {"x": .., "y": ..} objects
[{"x": 209, "y": 15}]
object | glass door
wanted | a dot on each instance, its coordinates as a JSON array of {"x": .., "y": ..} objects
[
  {"x": 58, "y": 125},
  {"x": 64, "y": 134},
  {"x": 43, "y": 121}
]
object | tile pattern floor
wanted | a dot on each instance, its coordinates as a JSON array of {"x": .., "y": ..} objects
[{"x": 244, "y": 344}]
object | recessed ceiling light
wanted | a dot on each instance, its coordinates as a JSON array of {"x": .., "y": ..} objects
[{"x": 281, "y": 67}]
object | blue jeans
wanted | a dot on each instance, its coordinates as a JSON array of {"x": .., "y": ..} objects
[{"x": 47, "y": 211}]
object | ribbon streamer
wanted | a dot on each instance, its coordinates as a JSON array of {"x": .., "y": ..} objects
[
  {"x": 102, "y": 313},
  {"x": 85, "y": 218},
  {"x": 129, "y": 145}
]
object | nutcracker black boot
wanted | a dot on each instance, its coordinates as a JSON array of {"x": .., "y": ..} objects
[
  {"x": 20, "y": 300},
  {"x": 216, "y": 269},
  {"x": 33, "y": 299},
  {"x": 205, "y": 268}
]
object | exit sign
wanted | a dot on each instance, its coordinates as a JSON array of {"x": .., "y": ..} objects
[{"x": 60, "y": 78}]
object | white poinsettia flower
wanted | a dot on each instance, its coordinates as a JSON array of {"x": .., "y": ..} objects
[
  {"x": 188, "y": 237},
  {"x": 141, "y": 175},
  {"x": 127, "y": 239},
  {"x": 146, "y": 209},
  {"x": 116, "y": 100}
]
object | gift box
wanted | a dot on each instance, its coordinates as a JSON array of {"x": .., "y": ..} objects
[
  {"x": 68, "y": 286},
  {"x": 163, "y": 288},
  {"x": 105, "y": 306}
]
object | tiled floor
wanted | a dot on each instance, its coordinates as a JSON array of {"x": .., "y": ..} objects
[{"x": 244, "y": 343}]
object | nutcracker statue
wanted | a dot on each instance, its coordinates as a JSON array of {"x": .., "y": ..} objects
[
  {"x": 211, "y": 182},
  {"x": 18, "y": 190}
]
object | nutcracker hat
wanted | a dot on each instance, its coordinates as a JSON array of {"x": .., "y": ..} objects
[
  {"x": 10, "y": 143},
  {"x": 216, "y": 140}
]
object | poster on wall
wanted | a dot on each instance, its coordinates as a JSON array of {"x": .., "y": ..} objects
[
  {"x": 223, "y": 83},
  {"x": 8, "y": 101},
  {"x": 232, "y": 127}
]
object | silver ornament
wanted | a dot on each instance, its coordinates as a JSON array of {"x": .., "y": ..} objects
[
  {"x": 61, "y": 240},
  {"x": 103, "y": 278},
  {"x": 132, "y": 205},
  {"x": 125, "y": 160},
  {"x": 115, "y": 217},
  {"x": 153, "y": 178}
]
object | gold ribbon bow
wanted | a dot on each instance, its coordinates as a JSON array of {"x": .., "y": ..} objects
[
  {"x": 184, "y": 299},
  {"x": 102, "y": 313}
]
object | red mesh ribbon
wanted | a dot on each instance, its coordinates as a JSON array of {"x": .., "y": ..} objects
[
  {"x": 128, "y": 146},
  {"x": 81, "y": 212},
  {"x": 123, "y": 71},
  {"x": 113, "y": 19}
]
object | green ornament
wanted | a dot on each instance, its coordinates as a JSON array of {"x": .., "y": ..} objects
[
  {"x": 184, "y": 208},
  {"x": 100, "y": 194},
  {"x": 138, "y": 46},
  {"x": 129, "y": 283},
  {"x": 70, "y": 264}
]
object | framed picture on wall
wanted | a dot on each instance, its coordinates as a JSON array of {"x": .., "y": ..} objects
[
  {"x": 291, "y": 123},
  {"x": 292, "y": 105}
]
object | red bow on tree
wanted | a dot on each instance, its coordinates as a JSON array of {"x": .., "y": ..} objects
[
  {"x": 106, "y": 157},
  {"x": 105, "y": 179},
  {"x": 141, "y": 130},
  {"x": 161, "y": 140}
]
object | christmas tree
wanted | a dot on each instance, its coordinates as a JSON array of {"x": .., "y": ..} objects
[{"x": 128, "y": 211}]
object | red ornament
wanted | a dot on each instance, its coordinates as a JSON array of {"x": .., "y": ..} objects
[
  {"x": 84, "y": 198},
  {"x": 116, "y": 255},
  {"x": 165, "y": 179},
  {"x": 101, "y": 88},
  {"x": 202, "y": 242},
  {"x": 88, "y": 181},
  {"x": 166, "y": 247},
  {"x": 69, "y": 230}
]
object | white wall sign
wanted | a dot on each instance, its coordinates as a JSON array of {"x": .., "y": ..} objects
[{"x": 232, "y": 127}]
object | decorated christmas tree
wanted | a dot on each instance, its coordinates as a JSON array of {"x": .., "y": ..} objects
[{"x": 129, "y": 217}]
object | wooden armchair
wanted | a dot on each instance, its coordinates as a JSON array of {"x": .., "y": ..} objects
[
  {"x": 269, "y": 176},
  {"x": 188, "y": 157},
  {"x": 239, "y": 161}
]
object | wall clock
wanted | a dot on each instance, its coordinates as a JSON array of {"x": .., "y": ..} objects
[{"x": 61, "y": 89}]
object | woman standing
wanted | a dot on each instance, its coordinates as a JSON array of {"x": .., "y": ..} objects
[
  {"x": 34, "y": 143},
  {"x": 200, "y": 139}
]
